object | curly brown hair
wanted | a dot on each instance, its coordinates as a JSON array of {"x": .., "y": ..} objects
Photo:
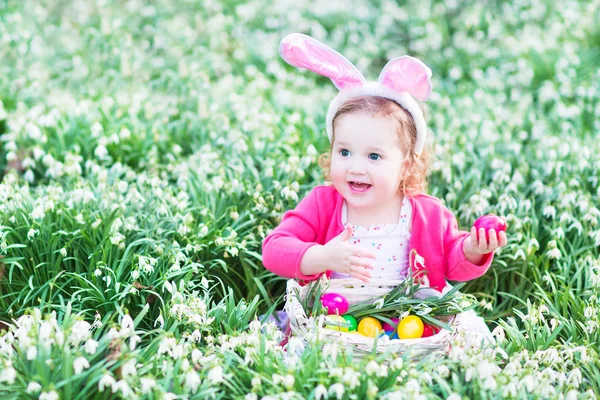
[{"x": 414, "y": 180}]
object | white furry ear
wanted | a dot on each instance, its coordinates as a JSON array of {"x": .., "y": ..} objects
[
  {"x": 303, "y": 51},
  {"x": 407, "y": 74}
]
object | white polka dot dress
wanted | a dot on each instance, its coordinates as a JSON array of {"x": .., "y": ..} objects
[{"x": 389, "y": 242}]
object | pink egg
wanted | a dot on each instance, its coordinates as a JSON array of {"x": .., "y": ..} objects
[
  {"x": 387, "y": 327},
  {"x": 334, "y": 303}
]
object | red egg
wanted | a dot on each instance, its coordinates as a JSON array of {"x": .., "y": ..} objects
[
  {"x": 488, "y": 222},
  {"x": 334, "y": 303},
  {"x": 429, "y": 330}
]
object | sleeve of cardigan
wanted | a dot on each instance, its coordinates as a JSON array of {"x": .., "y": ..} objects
[
  {"x": 284, "y": 247},
  {"x": 457, "y": 267}
]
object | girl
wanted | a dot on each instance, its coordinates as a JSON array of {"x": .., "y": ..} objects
[{"x": 375, "y": 212}]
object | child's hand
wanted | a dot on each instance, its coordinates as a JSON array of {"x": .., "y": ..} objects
[
  {"x": 480, "y": 245},
  {"x": 346, "y": 258}
]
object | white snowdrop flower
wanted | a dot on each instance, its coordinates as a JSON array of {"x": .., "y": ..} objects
[
  {"x": 554, "y": 253},
  {"x": 11, "y": 156},
  {"x": 533, "y": 245},
  {"x": 251, "y": 396},
  {"x": 234, "y": 215},
  {"x": 372, "y": 368},
  {"x": 443, "y": 371},
  {"x": 90, "y": 346},
  {"x": 337, "y": 389},
  {"x": 8, "y": 375},
  {"x": 147, "y": 385},
  {"x": 97, "y": 129},
  {"x": 122, "y": 186},
  {"x": 127, "y": 324},
  {"x": 397, "y": 363},
  {"x": 288, "y": 382},
  {"x": 320, "y": 392},
  {"x": 124, "y": 134},
  {"x": 38, "y": 153},
  {"x": 80, "y": 331},
  {"x": 80, "y": 364},
  {"x": 549, "y": 212},
  {"x": 29, "y": 176},
  {"x": 117, "y": 238},
  {"x": 256, "y": 382},
  {"x": 160, "y": 321},
  {"x": 32, "y": 232},
  {"x": 63, "y": 252},
  {"x": 133, "y": 341},
  {"x": 575, "y": 378},
  {"x": 51, "y": 395},
  {"x": 33, "y": 387},
  {"x": 203, "y": 231},
  {"x": 192, "y": 381},
  {"x": 97, "y": 272},
  {"x": 215, "y": 375},
  {"x": 96, "y": 223},
  {"x": 101, "y": 151},
  {"x": 129, "y": 369},
  {"x": 31, "y": 353},
  {"x": 123, "y": 387}
]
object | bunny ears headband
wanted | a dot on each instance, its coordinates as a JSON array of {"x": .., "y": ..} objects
[{"x": 400, "y": 78}]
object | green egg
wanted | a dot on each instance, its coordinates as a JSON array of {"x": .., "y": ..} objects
[{"x": 352, "y": 321}]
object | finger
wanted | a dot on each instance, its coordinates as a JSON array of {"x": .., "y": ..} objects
[
  {"x": 493, "y": 239},
  {"x": 361, "y": 262},
  {"x": 363, "y": 253},
  {"x": 503, "y": 239},
  {"x": 361, "y": 274},
  {"x": 474, "y": 240},
  {"x": 482, "y": 243}
]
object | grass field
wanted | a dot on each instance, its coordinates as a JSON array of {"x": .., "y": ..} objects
[{"x": 147, "y": 148}]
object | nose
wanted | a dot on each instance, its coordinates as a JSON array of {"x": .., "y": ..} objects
[{"x": 357, "y": 167}]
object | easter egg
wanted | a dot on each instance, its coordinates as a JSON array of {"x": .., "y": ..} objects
[
  {"x": 370, "y": 327},
  {"x": 388, "y": 327},
  {"x": 391, "y": 334},
  {"x": 488, "y": 222},
  {"x": 429, "y": 330},
  {"x": 336, "y": 323},
  {"x": 352, "y": 321},
  {"x": 334, "y": 303},
  {"x": 411, "y": 327}
]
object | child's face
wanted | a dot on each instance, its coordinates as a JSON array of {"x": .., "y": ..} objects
[{"x": 366, "y": 160}]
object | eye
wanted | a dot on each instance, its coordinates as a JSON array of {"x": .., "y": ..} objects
[
  {"x": 374, "y": 156},
  {"x": 344, "y": 153}
]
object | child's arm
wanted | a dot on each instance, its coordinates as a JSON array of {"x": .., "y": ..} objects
[
  {"x": 285, "y": 246},
  {"x": 465, "y": 260},
  {"x": 291, "y": 250}
]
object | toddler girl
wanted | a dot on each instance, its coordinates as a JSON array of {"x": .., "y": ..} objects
[{"x": 375, "y": 212}]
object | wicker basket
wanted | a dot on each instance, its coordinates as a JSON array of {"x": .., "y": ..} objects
[{"x": 303, "y": 326}]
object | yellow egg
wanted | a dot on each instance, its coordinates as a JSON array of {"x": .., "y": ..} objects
[
  {"x": 411, "y": 327},
  {"x": 369, "y": 327},
  {"x": 336, "y": 323}
]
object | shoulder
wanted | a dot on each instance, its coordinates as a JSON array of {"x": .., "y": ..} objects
[
  {"x": 324, "y": 198},
  {"x": 322, "y": 194},
  {"x": 427, "y": 202}
]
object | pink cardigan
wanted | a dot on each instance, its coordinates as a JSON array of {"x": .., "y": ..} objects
[{"x": 317, "y": 219}]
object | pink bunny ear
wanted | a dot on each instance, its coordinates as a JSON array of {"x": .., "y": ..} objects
[
  {"x": 303, "y": 51},
  {"x": 407, "y": 74}
]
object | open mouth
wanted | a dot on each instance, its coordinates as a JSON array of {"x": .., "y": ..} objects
[{"x": 359, "y": 187}]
